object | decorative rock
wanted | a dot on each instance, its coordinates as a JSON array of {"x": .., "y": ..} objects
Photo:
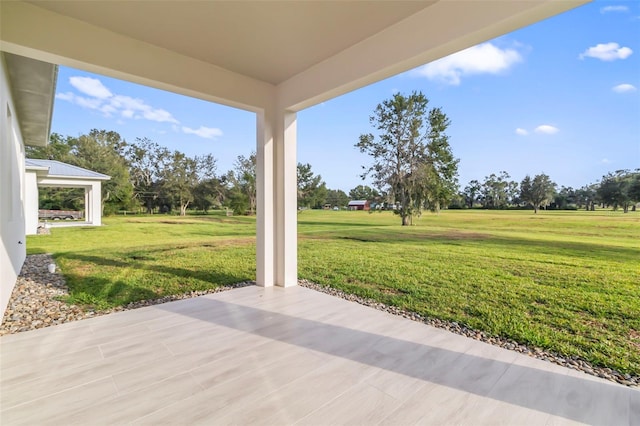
[{"x": 33, "y": 303}]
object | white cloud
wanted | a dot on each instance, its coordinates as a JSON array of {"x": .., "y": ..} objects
[
  {"x": 605, "y": 161},
  {"x": 90, "y": 86},
  {"x": 624, "y": 88},
  {"x": 121, "y": 107},
  {"x": 484, "y": 58},
  {"x": 607, "y": 52},
  {"x": 607, "y": 9},
  {"x": 521, "y": 132},
  {"x": 89, "y": 103},
  {"x": 159, "y": 115},
  {"x": 203, "y": 132},
  {"x": 102, "y": 99},
  {"x": 68, "y": 96},
  {"x": 546, "y": 129}
]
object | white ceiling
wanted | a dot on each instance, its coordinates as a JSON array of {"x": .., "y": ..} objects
[{"x": 283, "y": 37}]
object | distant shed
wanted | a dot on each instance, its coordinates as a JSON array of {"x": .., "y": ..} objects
[{"x": 358, "y": 205}]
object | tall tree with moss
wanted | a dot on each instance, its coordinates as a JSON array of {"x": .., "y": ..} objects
[
  {"x": 412, "y": 159},
  {"x": 538, "y": 191}
]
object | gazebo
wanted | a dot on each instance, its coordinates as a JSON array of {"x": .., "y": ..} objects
[{"x": 55, "y": 174}]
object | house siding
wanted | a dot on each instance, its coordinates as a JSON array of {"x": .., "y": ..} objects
[{"x": 12, "y": 193}]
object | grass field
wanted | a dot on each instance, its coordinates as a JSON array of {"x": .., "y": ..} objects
[{"x": 568, "y": 282}]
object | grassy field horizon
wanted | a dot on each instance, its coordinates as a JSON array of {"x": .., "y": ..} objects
[{"x": 565, "y": 281}]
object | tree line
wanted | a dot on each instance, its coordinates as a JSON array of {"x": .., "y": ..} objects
[
  {"x": 617, "y": 190},
  {"x": 150, "y": 178},
  {"x": 413, "y": 169}
]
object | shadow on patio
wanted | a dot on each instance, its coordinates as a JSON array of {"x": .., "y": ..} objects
[{"x": 284, "y": 356}]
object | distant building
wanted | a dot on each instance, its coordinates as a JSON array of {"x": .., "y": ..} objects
[
  {"x": 51, "y": 173},
  {"x": 358, "y": 205}
]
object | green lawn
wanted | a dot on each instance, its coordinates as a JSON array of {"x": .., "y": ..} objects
[{"x": 564, "y": 281}]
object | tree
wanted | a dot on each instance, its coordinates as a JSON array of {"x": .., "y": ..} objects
[
  {"x": 209, "y": 193},
  {"x": 412, "y": 157},
  {"x": 587, "y": 197},
  {"x": 336, "y": 198},
  {"x": 312, "y": 191},
  {"x": 619, "y": 189},
  {"x": 243, "y": 180},
  {"x": 471, "y": 193},
  {"x": 537, "y": 191},
  {"x": 101, "y": 151},
  {"x": 364, "y": 192},
  {"x": 498, "y": 191},
  {"x": 182, "y": 175},
  {"x": 57, "y": 149},
  {"x": 147, "y": 161},
  {"x": 442, "y": 182},
  {"x": 565, "y": 198}
]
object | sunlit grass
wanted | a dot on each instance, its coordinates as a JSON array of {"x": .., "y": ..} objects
[{"x": 564, "y": 281}]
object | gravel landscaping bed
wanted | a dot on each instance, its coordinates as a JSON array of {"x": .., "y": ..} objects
[{"x": 34, "y": 304}]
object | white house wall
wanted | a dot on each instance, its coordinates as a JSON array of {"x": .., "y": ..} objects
[
  {"x": 31, "y": 203},
  {"x": 12, "y": 193}
]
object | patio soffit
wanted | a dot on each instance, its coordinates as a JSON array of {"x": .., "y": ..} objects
[
  {"x": 270, "y": 41},
  {"x": 32, "y": 84},
  {"x": 249, "y": 54}
]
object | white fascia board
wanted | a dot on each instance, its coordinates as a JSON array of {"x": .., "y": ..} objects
[
  {"x": 432, "y": 33},
  {"x": 34, "y": 32},
  {"x": 70, "y": 180}
]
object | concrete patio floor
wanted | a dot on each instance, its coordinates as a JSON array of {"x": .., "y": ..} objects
[{"x": 286, "y": 356}]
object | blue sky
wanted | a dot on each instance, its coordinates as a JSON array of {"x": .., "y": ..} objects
[{"x": 561, "y": 97}]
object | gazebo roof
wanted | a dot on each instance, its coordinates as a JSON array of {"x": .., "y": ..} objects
[{"x": 59, "y": 169}]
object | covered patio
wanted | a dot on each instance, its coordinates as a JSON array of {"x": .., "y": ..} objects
[
  {"x": 286, "y": 356},
  {"x": 283, "y": 354}
]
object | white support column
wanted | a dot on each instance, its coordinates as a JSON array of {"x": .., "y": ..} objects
[
  {"x": 265, "y": 179},
  {"x": 277, "y": 251},
  {"x": 96, "y": 203},
  {"x": 87, "y": 204}
]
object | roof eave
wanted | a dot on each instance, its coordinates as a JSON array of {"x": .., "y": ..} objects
[{"x": 33, "y": 85}]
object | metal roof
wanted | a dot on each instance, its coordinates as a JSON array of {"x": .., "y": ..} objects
[
  {"x": 60, "y": 169},
  {"x": 358, "y": 202}
]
